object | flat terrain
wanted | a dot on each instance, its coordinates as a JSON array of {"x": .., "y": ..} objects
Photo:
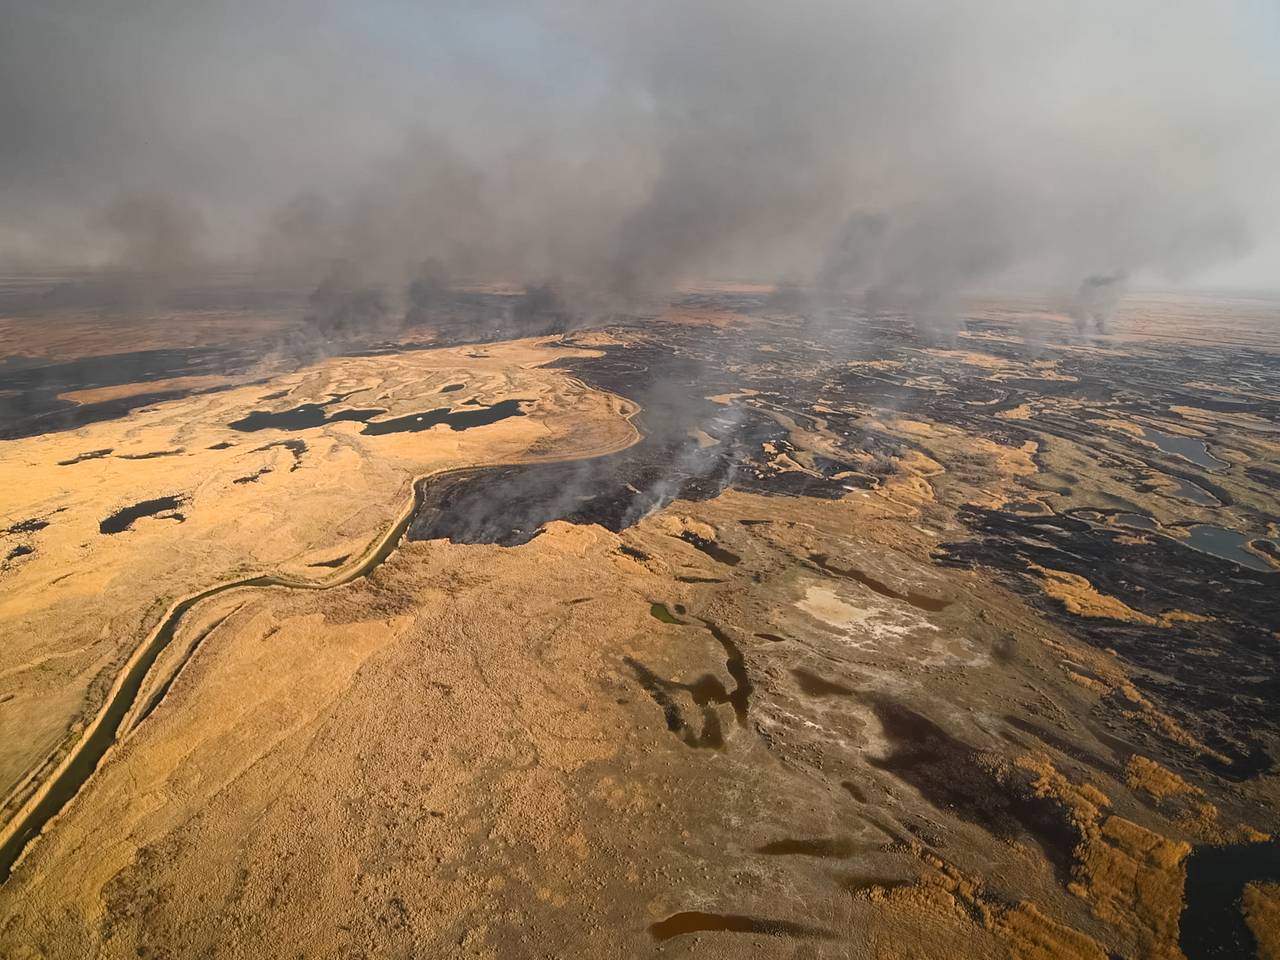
[{"x": 719, "y": 633}]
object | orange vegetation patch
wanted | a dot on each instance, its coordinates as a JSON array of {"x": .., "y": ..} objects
[
  {"x": 1200, "y": 819},
  {"x": 677, "y": 524},
  {"x": 1080, "y": 597},
  {"x": 947, "y": 898},
  {"x": 914, "y": 428},
  {"x": 727, "y": 398},
  {"x": 1022, "y": 411},
  {"x": 909, "y": 486},
  {"x": 1183, "y": 616},
  {"x": 1083, "y": 803},
  {"x": 1124, "y": 426},
  {"x": 1012, "y": 461},
  {"x": 875, "y": 364},
  {"x": 1131, "y": 877},
  {"x": 98, "y": 394},
  {"x": 1150, "y": 777},
  {"x": 1262, "y": 913}
]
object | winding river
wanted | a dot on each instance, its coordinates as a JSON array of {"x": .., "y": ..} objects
[
  {"x": 76, "y": 768},
  {"x": 85, "y": 756}
]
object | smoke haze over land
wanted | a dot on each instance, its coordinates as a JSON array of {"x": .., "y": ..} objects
[{"x": 911, "y": 151}]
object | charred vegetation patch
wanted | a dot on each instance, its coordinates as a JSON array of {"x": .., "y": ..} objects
[
  {"x": 31, "y": 403},
  {"x": 819, "y": 847},
  {"x": 706, "y": 693},
  {"x": 332, "y": 564},
  {"x": 252, "y": 477},
  {"x": 1226, "y": 700},
  {"x": 30, "y": 525},
  {"x": 508, "y": 505}
]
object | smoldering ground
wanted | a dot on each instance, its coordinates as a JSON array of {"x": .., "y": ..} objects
[{"x": 909, "y": 151}]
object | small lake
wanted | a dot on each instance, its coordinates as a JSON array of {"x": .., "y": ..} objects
[
  {"x": 1195, "y": 493},
  {"x": 1225, "y": 544},
  {"x": 454, "y": 419},
  {"x": 304, "y": 417},
  {"x": 123, "y": 518},
  {"x": 308, "y": 416},
  {"x": 1137, "y": 520},
  {"x": 1189, "y": 448}
]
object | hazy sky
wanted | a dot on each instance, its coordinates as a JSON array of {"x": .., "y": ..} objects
[{"x": 915, "y": 148}]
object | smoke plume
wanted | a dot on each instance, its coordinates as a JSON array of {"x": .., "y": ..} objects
[{"x": 909, "y": 152}]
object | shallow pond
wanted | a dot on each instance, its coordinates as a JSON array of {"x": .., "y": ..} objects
[
  {"x": 303, "y": 417},
  {"x": 454, "y": 419},
  {"x": 123, "y": 518},
  {"x": 1226, "y": 544},
  {"x": 1137, "y": 521},
  {"x": 1195, "y": 493},
  {"x": 1189, "y": 448}
]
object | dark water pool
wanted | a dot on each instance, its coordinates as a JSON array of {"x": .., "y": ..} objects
[
  {"x": 304, "y": 417},
  {"x": 454, "y": 419},
  {"x": 123, "y": 518},
  {"x": 1137, "y": 521},
  {"x": 1189, "y": 448},
  {"x": 1195, "y": 493},
  {"x": 1212, "y": 923},
  {"x": 308, "y": 416},
  {"x": 1226, "y": 544}
]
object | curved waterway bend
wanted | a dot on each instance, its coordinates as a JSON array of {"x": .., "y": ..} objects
[{"x": 83, "y": 760}]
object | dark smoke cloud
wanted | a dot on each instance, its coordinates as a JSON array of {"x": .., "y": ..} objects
[
  {"x": 426, "y": 292},
  {"x": 542, "y": 308},
  {"x": 151, "y": 230},
  {"x": 909, "y": 151},
  {"x": 343, "y": 307}
]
